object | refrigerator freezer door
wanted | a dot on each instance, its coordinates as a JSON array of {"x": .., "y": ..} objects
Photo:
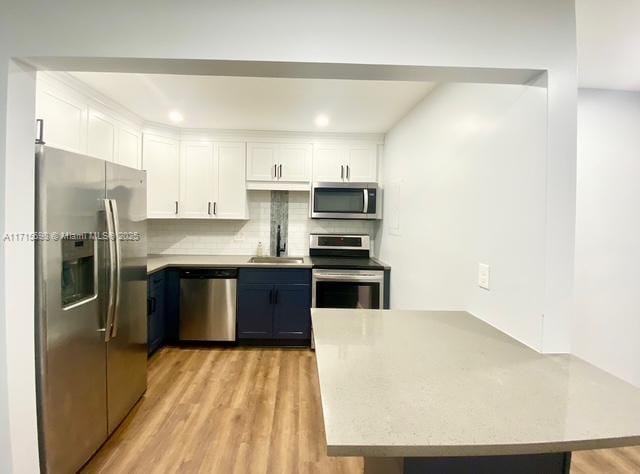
[
  {"x": 127, "y": 347},
  {"x": 71, "y": 353}
]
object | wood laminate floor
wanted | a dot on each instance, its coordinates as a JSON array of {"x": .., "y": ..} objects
[{"x": 246, "y": 410}]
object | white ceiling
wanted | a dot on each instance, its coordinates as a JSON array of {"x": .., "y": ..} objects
[
  {"x": 608, "y": 34},
  {"x": 258, "y": 103}
]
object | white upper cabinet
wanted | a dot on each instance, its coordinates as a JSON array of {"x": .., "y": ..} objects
[
  {"x": 362, "y": 162},
  {"x": 197, "y": 180},
  {"x": 329, "y": 161},
  {"x": 261, "y": 161},
  {"x": 162, "y": 161},
  {"x": 64, "y": 119},
  {"x": 101, "y": 136},
  {"x": 74, "y": 120},
  {"x": 345, "y": 162},
  {"x": 279, "y": 166},
  {"x": 294, "y": 162},
  {"x": 208, "y": 181},
  {"x": 129, "y": 152},
  {"x": 231, "y": 199}
]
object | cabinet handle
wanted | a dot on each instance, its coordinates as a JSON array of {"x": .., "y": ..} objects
[
  {"x": 341, "y": 171},
  {"x": 280, "y": 172},
  {"x": 348, "y": 173},
  {"x": 215, "y": 211},
  {"x": 176, "y": 207},
  {"x": 209, "y": 208},
  {"x": 275, "y": 171},
  {"x": 151, "y": 305},
  {"x": 39, "y": 132},
  {"x": 271, "y": 296}
]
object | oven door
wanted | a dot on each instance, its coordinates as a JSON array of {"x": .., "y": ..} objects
[
  {"x": 345, "y": 201},
  {"x": 354, "y": 289}
]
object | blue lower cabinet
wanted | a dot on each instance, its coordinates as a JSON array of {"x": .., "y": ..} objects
[
  {"x": 292, "y": 313},
  {"x": 274, "y": 304},
  {"x": 255, "y": 311},
  {"x": 171, "y": 305},
  {"x": 155, "y": 312}
]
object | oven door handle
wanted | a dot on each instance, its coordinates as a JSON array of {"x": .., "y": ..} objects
[
  {"x": 366, "y": 200},
  {"x": 356, "y": 278}
]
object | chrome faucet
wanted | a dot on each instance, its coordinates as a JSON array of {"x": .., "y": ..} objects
[{"x": 280, "y": 248}]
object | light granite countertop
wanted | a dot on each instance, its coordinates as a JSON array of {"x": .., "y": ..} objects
[
  {"x": 160, "y": 262},
  {"x": 437, "y": 383}
]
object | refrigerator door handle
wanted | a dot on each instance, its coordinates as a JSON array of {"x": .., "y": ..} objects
[
  {"x": 118, "y": 259},
  {"x": 112, "y": 270}
]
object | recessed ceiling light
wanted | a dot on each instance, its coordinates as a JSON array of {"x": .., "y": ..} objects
[
  {"x": 175, "y": 116},
  {"x": 322, "y": 120}
]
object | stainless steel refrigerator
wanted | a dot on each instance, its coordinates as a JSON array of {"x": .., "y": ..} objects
[{"x": 91, "y": 294}]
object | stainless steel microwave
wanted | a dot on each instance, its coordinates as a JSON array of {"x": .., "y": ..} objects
[{"x": 346, "y": 201}]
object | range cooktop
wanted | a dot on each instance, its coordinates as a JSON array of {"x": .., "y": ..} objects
[{"x": 346, "y": 263}]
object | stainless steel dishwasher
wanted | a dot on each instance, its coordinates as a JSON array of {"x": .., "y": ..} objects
[{"x": 208, "y": 304}]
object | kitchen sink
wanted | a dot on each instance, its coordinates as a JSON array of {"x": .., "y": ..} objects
[{"x": 278, "y": 260}]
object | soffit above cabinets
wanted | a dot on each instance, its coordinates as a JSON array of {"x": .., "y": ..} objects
[{"x": 259, "y": 103}]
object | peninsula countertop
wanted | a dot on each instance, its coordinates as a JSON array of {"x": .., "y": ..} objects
[
  {"x": 160, "y": 262},
  {"x": 438, "y": 383}
]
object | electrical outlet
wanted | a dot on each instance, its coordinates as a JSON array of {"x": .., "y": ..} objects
[{"x": 483, "y": 275}]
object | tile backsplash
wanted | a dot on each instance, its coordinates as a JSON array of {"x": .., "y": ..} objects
[{"x": 213, "y": 237}]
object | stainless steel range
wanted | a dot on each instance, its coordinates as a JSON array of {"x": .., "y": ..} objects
[{"x": 344, "y": 274}]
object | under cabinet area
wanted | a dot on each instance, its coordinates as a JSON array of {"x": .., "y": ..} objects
[{"x": 274, "y": 304}]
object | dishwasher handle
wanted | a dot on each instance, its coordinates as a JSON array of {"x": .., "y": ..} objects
[{"x": 209, "y": 273}]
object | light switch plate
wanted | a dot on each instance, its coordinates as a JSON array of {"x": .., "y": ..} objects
[{"x": 483, "y": 275}]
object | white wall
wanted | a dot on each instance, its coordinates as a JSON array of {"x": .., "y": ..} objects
[
  {"x": 606, "y": 326},
  {"x": 465, "y": 183},
  {"x": 492, "y": 33},
  {"x": 19, "y": 256}
]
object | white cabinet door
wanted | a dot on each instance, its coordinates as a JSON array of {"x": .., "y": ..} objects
[
  {"x": 261, "y": 160},
  {"x": 161, "y": 159},
  {"x": 363, "y": 163},
  {"x": 231, "y": 200},
  {"x": 129, "y": 148},
  {"x": 101, "y": 136},
  {"x": 197, "y": 180},
  {"x": 294, "y": 162},
  {"x": 329, "y": 162},
  {"x": 64, "y": 119}
]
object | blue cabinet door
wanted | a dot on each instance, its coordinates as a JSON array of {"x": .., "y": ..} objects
[
  {"x": 255, "y": 311},
  {"x": 274, "y": 303},
  {"x": 155, "y": 321},
  {"x": 292, "y": 312},
  {"x": 171, "y": 305}
]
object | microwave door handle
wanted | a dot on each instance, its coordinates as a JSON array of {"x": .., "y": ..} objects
[
  {"x": 118, "y": 259},
  {"x": 366, "y": 200},
  {"x": 112, "y": 269}
]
